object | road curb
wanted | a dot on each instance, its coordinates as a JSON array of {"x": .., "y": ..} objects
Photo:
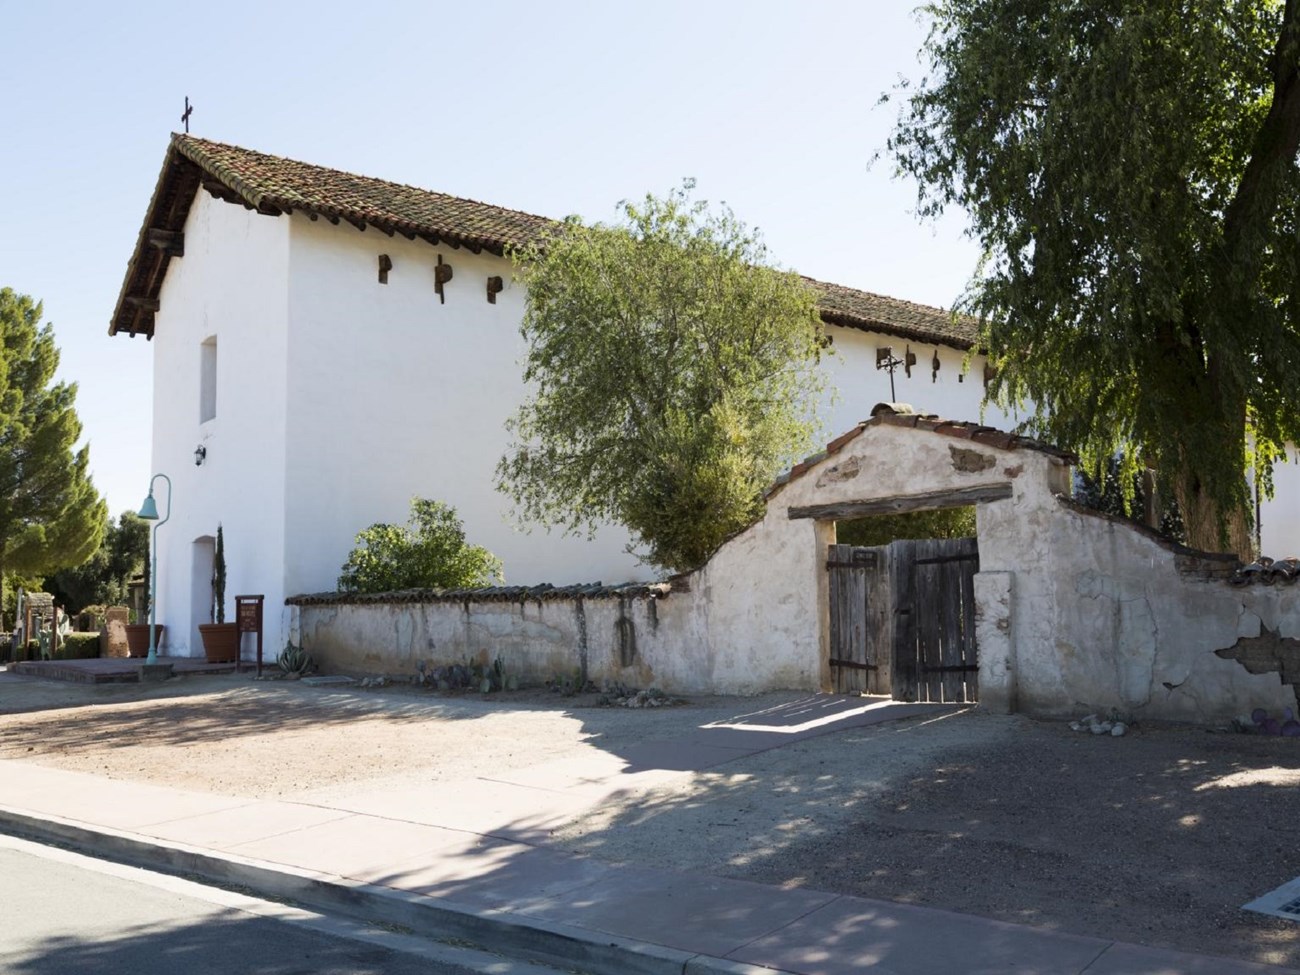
[{"x": 514, "y": 935}]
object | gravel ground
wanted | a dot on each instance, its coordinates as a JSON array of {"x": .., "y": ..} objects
[{"x": 1156, "y": 838}]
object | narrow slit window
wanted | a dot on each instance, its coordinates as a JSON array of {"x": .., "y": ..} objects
[{"x": 208, "y": 379}]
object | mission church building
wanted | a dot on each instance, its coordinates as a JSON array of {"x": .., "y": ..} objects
[{"x": 327, "y": 346}]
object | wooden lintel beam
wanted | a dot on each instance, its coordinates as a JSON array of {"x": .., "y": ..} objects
[
  {"x": 170, "y": 242},
  {"x": 928, "y": 501}
]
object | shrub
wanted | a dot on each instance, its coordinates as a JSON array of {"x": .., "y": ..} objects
[
  {"x": 78, "y": 646},
  {"x": 91, "y": 617},
  {"x": 430, "y": 552}
]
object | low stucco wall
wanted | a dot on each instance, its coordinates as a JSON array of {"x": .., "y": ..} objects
[
  {"x": 1075, "y": 612},
  {"x": 1104, "y": 616},
  {"x": 640, "y": 641}
]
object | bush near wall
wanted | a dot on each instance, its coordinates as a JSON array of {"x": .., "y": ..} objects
[
  {"x": 78, "y": 646},
  {"x": 32, "y": 651}
]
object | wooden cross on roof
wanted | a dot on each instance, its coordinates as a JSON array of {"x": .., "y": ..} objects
[{"x": 185, "y": 116}]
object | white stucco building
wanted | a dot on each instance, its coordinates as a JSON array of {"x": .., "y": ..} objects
[{"x": 305, "y": 337}]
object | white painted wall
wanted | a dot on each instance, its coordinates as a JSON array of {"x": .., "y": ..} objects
[
  {"x": 229, "y": 284},
  {"x": 1102, "y": 616},
  {"x": 393, "y": 393},
  {"x": 1280, "y": 515},
  {"x": 535, "y": 640},
  {"x": 949, "y": 393}
]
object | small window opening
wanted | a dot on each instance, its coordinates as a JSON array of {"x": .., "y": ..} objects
[
  {"x": 208, "y": 379},
  {"x": 883, "y": 529}
]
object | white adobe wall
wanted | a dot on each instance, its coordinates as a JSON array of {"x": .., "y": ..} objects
[
  {"x": 393, "y": 393},
  {"x": 229, "y": 284},
  {"x": 763, "y": 597},
  {"x": 536, "y": 640},
  {"x": 1102, "y": 618},
  {"x": 948, "y": 393},
  {"x": 1280, "y": 515}
]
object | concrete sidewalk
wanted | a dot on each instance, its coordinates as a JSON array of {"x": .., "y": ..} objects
[{"x": 471, "y": 861}]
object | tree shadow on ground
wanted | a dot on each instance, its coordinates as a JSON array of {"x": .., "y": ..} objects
[
  {"x": 1157, "y": 838},
  {"x": 203, "y": 719},
  {"x": 230, "y": 942}
]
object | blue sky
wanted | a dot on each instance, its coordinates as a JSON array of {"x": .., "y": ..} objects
[{"x": 553, "y": 108}]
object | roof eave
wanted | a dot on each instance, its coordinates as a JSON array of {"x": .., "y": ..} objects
[
  {"x": 832, "y": 317},
  {"x": 169, "y": 206}
]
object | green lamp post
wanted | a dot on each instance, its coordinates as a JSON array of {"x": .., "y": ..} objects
[{"x": 149, "y": 512}]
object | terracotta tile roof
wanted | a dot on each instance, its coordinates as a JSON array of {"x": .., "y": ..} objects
[
  {"x": 885, "y": 414},
  {"x": 272, "y": 183},
  {"x": 275, "y": 186},
  {"x": 864, "y": 310}
]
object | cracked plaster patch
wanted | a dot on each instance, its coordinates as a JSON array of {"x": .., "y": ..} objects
[
  {"x": 1268, "y": 653},
  {"x": 969, "y": 461},
  {"x": 845, "y": 471}
]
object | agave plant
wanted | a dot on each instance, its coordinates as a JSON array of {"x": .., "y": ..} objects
[{"x": 294, "y": 660}]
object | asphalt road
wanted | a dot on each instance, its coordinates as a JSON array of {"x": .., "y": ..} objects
[{"x": 61, "y": 913}]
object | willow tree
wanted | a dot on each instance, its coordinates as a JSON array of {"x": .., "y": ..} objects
[
  {"x": 1130, "y": 169},
  {"x": 672, "y": 376},
  {"x": 51, "y": 516}
]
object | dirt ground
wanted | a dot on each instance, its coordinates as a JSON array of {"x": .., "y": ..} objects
[{"x": 1155, "y": 838}]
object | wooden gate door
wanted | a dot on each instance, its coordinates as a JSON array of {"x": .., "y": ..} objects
[
  {"x": 934, "y": 633},
  {"x": 859, "y": 597}
]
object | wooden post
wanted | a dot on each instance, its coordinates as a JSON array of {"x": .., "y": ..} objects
[{"x": 248, "y": 617}]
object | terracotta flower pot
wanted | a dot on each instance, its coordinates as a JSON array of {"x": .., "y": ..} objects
[
  {"x": 220, "y": 642},
  {"x": 137, "y": 638}
]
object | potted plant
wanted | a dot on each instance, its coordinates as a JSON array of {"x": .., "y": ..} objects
[
  {"x": 220, "y": 639},
  {"x": 137, "y": 632}
]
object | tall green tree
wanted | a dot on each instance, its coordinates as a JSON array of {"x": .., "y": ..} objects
[
  {"x": 51, "y": 516},
  {"x": 104, "y": 577},
  {"x": 1130, "y": 168},
  {"x": 672, "y": 375}
]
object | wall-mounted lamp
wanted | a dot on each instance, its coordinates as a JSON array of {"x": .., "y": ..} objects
[{"x": 200, "y": 454}]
